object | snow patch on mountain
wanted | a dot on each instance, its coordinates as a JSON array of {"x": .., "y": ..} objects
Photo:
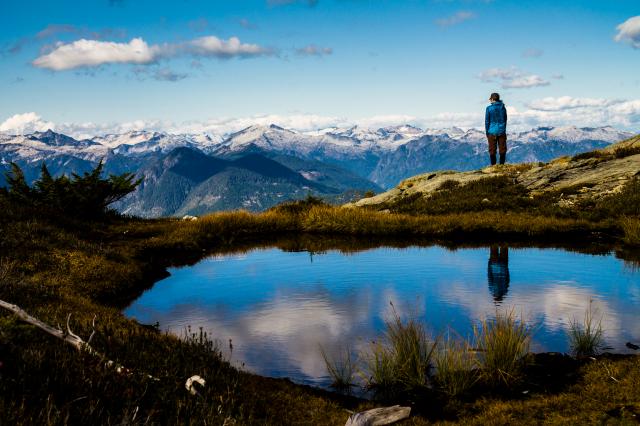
[{"x": 333, "y": 143}]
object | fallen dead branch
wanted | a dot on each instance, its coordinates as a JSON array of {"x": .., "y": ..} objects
[{"x": 67, "y": 335}]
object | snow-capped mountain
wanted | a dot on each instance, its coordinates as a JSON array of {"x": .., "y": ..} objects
[
  {"x": 336, "y": 143},
  {"x": 335, "y": 159},
  {"x": 143, "y": 142},
  {"x": 573, "y": 134}
]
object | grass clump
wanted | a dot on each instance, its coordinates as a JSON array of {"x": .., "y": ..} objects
[
  {"x": 456, "y": 371},
  {"x": 586, "y": 338},
  {"x": 626, "y": 202},
  {"x": 341, "y": 369},
  {"x": 587, "y": 155},
  {"x": 403, "y": 362},
  {"x": 626, "y": 151},
  {"x": 503, "y": 344},
  {"x": 449, "y": 184},
  {"x": 298, "y": 206},
  {"x": 631, "y": 228}
]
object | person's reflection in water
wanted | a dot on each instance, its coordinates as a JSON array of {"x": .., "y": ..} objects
[{"x": 498, "y": 272}]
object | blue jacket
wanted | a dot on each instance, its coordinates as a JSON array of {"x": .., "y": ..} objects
[{"x": 495, "y": 119}]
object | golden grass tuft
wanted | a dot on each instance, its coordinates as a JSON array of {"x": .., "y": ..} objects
[
  {"x": 586, "y": 338},
  {"x": 403, "y": 361},
  {"x": 456, "y": 367},
  {"x": 502, "y": 344},
  {"x": 631, "y": 228}
]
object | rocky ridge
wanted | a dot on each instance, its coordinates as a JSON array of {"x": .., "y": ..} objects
[{"x": 587, "y": 176}]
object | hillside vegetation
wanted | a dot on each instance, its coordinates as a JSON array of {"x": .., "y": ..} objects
[{"x": 63, "y": 268}]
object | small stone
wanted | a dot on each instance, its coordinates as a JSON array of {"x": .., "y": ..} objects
[{"x": 486, "y": 200}]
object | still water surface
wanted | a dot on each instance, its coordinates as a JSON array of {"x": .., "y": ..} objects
[{"x": 278, "y": 307}]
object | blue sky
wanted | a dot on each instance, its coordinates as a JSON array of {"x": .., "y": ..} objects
[{"x": 188, "y": 64}]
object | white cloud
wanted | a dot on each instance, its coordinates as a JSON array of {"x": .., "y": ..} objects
[
  {"x": 301, "y": 122},
  {"x": 93, "y": 53},
  {"x": 525, "y": 82},
  {"x": 456, "y": 18},
  {"x": 581, "y": 112},
  {"x": 629, "y": 31},
  {"x": 213, "y": 46},
  {"x": 28, "y": 122},
  {"x": 568, "y": 102},
  {"x": 560, "y": 111},
  {"x": 512, "y": 78}
]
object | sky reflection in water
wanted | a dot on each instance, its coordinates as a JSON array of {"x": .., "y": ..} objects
[{"x": 279, "y": 307}]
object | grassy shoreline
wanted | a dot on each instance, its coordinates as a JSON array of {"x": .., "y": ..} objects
[{"x": 52, "y": 268}]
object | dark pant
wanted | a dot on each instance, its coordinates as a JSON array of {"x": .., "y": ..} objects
[{"x": 499, "y": 141}]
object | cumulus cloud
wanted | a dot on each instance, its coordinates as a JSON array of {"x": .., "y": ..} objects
[
  {"x": 94, "y": 53},
  {"x": 456, "y": 18},
  {"x": 313, "y": 50},
  {"x": 567, "y": 102},
  {"x": 560, "y": 111},
  {"x": 581, "y": 112},
  {"x": 214, "y": 47},
  {"x": 91, "y": 53},
  {"x": 512, "y": 78},
  {"x": 629, "y": 31},
  {"x": 28, "y": 122}
]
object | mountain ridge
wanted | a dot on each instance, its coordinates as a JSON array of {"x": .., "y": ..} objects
[{"x": 326, "y": 162}]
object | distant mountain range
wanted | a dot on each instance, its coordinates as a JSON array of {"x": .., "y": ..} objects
[{"x": 261, "y": 166}]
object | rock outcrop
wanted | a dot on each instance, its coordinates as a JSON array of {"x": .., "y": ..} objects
[{"x": 591, "y": 175}]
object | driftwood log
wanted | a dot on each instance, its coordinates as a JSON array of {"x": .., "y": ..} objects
[{"x": 379, "y": 416}]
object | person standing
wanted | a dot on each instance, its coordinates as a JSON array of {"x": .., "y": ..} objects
[{"x": 495, "y": 124}]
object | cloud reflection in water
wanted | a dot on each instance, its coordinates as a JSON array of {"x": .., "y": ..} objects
[{"x": 279, "y": 307}]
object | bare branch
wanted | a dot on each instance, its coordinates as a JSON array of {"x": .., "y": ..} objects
[{"x": 68, "y": 336}]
